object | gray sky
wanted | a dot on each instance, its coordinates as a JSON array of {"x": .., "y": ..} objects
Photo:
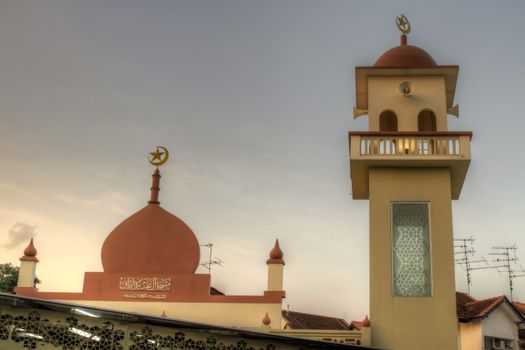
[{"x": 254, "y": 100}]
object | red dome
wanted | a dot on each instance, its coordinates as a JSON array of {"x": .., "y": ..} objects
[
  {"x": 406, "y": 56},
  {"x": 151, "y": 241}
]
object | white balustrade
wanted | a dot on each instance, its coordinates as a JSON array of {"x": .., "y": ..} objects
[{"x": 410, "y": 145}]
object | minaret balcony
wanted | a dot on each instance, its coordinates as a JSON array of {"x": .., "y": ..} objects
[{"x": 372, "y": 149}]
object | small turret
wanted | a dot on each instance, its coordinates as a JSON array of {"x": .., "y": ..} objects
[
  {"x": 26, "y": 275},
  {"x": 275, "y": 268}
]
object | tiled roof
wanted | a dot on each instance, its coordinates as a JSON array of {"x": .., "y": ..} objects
[
  {"x": 469, "y": 309},
  {"x": 520, "y": 307},
  {"x": 300, "y": 320}
]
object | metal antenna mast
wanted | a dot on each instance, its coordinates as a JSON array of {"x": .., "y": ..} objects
[
  {"x": 464, "y": 250},
  {"x": 506, "y": 256},
  {"x": 211, "y": 260}
]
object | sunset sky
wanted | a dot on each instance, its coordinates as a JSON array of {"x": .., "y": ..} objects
[{"x": 254, "y": 101}]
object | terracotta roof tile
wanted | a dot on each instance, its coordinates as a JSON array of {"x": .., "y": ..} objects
[
  {"x": 468, "y": 308},
  {"x": 300, "y": 320}
]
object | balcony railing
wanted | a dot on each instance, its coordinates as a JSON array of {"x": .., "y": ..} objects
[
  {"x": 372, "y": 149},
  {"x": 403, "y": 144}
]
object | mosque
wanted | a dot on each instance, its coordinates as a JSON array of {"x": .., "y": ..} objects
[
  {"x": 150, "y": 262},
  {"x": 408, "y": 165}
]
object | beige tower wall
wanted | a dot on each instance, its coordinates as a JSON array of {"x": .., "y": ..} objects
[
  {"x": 405, "y": 323},
  {"x": 275, "y": 277},
  {"x": 429, "y": 93},
  {"x": 26, "y": 275}
]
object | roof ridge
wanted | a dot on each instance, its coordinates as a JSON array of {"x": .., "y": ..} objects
[{"x": 310, "y": 314}]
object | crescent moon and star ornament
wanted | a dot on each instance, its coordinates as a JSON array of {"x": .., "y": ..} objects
[
  {"x": 403, "y": 24},
  {"x": 159, "y": 156}
]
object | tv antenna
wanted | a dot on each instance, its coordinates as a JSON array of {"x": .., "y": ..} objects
[
  {"x": 211, "y": 259},
  {"x": 464, "y": 252},
  {"x": 506, "y": 257}
]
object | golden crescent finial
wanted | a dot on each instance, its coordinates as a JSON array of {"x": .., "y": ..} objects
[
  {"x": 158, "y": 157},
  {"x": 403, "y": 24}
]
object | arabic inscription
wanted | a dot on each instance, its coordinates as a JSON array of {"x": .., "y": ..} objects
[{"x": 150, "y": 284}]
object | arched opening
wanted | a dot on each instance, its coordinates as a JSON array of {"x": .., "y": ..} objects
[
  {"x": 426, "y": 120},
  {"x": 387, "y": 121}
]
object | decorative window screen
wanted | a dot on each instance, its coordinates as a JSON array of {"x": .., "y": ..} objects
[{"x": 411, "y": 250}]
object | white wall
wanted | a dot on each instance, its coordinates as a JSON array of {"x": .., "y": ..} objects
[{"x": 500, "y": 324}]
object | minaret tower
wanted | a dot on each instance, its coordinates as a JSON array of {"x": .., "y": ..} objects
[{"x": 410, "y": 168}]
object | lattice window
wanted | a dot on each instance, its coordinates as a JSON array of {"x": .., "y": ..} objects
[
  {"x": 146, "y": 339},
  {"x": 31, "y": 331},
  {"x": 411, "y": 249}
]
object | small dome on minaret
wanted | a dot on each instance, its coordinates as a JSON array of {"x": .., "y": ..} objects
[
  {"x": 266, "y": 320},
  {"x": 404, "y": 55},
  {"x": 30, "y": 252},
  {"x": 276, "y": 254}
]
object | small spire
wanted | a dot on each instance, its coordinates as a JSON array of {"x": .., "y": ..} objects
[
  {"x": 366, "y": 322},
  {"x": 276, "y": 254},
  {"x": 30, "y": 252},
  {"x": 155, "y": 187},
  {"x": 266, "y": 320}
]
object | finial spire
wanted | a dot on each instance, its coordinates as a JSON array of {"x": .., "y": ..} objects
[
  {"x": 155, "y": 187},
  {"x": 404, "y": 26},
  {"x": 157, "y": 158}
]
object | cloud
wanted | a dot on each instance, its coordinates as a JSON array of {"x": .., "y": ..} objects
[{"x": 19, "y": 233}]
